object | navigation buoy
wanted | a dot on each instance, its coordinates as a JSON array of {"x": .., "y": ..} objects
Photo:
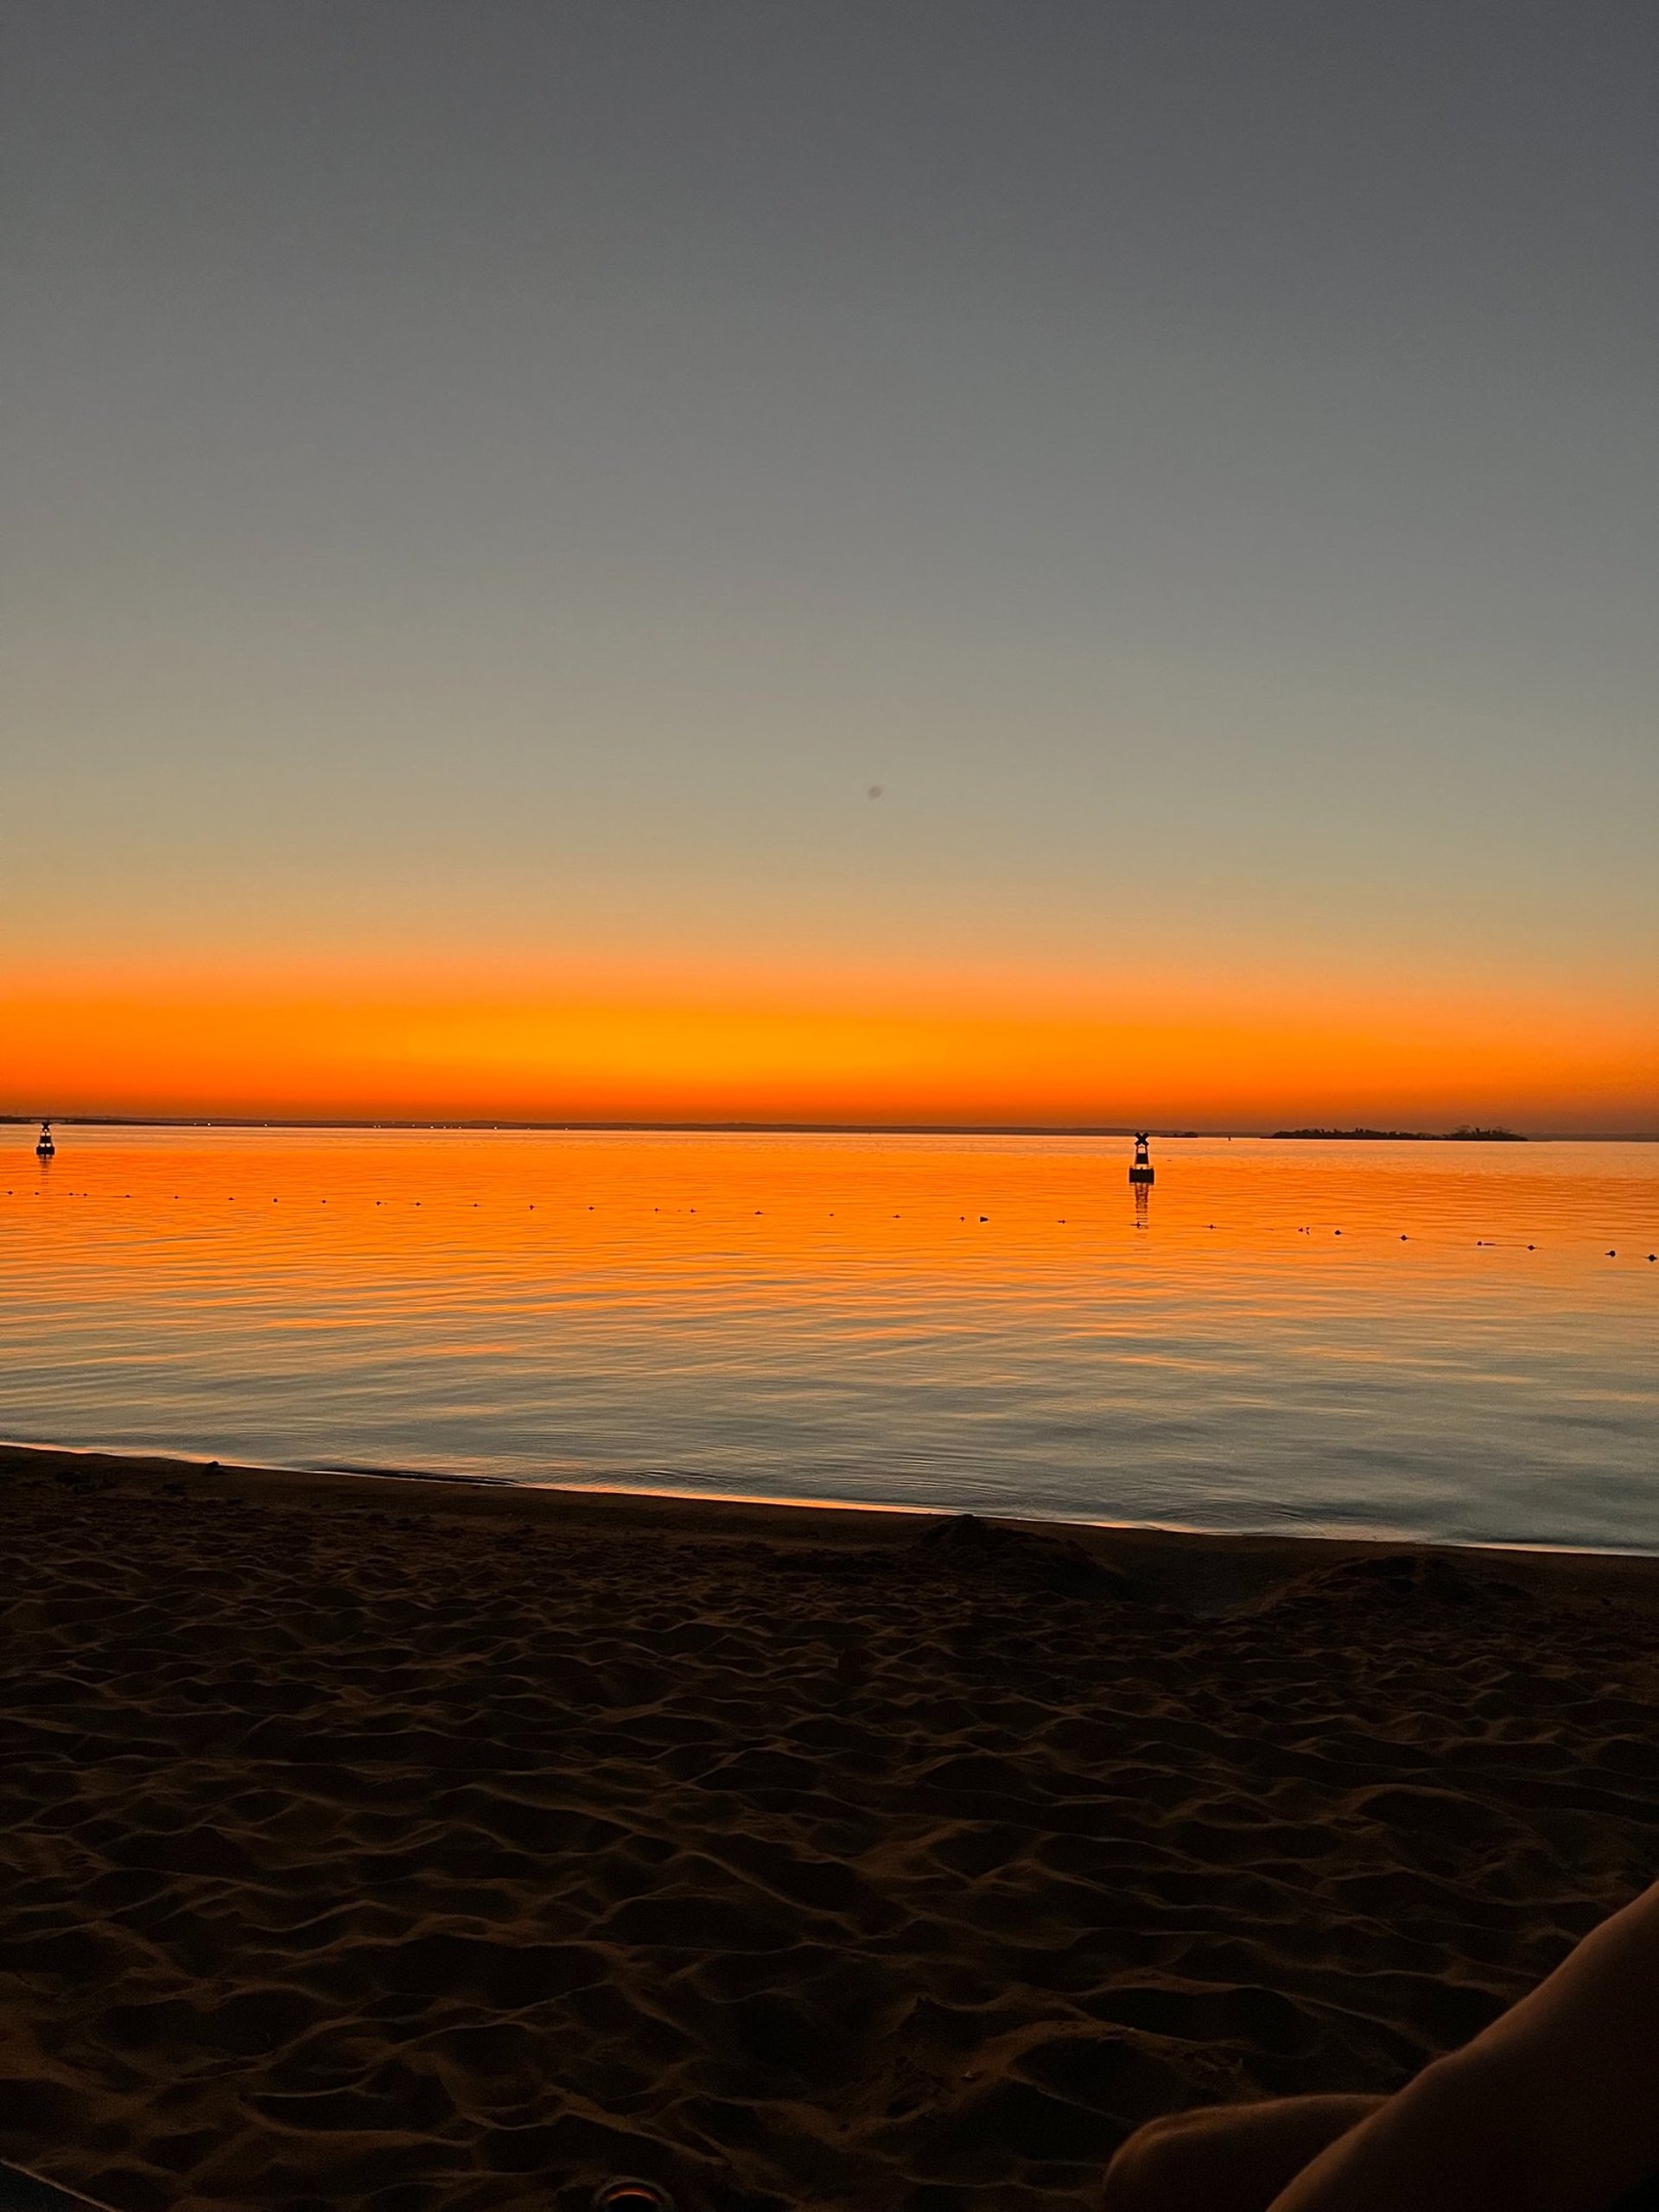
[
  {"x": 1141, "y": 1171},
  {"x": 44, "y": 1147}
]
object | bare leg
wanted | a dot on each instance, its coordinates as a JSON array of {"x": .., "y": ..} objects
[
  {"x": 1227, "y": 2157},
  {"x": 1554, "y": 2108}
]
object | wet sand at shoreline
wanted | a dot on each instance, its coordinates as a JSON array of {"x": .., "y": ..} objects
[{"x": 407, "y": 1845}]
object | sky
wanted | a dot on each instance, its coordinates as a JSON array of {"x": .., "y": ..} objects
[{"x": 900, "y": 559}]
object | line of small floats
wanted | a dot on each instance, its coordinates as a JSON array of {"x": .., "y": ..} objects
[
  {"x": 1140, "y": 1171},
  {"x": 1142, "y": 1175}
]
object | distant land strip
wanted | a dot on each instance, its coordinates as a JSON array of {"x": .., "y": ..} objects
[{"x": 1416, "y": 1136}]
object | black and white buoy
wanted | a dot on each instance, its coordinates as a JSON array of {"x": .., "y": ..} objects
[
  {"x": 1141, "y": 1171},
  {"x": 44, "y": 1147}
]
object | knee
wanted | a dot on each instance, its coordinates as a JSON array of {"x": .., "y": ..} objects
[{"x": 1155, "y": 2169}]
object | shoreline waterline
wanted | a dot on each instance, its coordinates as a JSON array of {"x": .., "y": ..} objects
[{"x": 1179, "y": 1557}]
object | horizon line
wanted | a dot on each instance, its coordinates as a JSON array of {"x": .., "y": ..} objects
[{"x": 476, "y": 1125}]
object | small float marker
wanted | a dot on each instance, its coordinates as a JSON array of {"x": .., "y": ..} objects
[{"x": 1141, "y": 1169}]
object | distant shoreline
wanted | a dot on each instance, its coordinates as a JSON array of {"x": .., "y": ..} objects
[{"x": 1405, "y": 1136}]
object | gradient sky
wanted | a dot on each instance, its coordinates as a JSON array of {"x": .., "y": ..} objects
[{"x": 491, "y": 488}]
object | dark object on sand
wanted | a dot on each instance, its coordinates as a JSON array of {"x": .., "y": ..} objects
[
  {"x": 27, "y": 2192},
  {"x": 1409, "y": 1578},
  {"x": 1142, "y": 1170},
  {"x": 999, "y": 1552}
]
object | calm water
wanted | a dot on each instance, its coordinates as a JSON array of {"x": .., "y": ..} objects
[{"x": 1425, "y": 1339}]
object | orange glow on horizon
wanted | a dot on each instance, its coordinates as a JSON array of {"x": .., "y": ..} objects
[{"x": 628, "y": 1047}]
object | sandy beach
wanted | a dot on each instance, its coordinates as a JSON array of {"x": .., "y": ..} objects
[{"x": 402, "y": 1845}]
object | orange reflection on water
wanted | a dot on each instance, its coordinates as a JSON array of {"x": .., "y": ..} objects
[
  {"x": 1313, "y": 1334},
  {"x": 892, "y": 1207}
]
